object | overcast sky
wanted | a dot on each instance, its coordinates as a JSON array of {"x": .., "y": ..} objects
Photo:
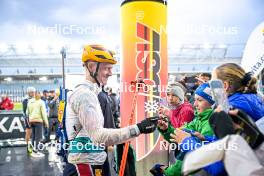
[{"x": 189, "y": 21}]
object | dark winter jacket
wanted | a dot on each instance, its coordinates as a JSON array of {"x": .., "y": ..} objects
[
  {"x": 53, "y": 108},
  {"x": 105, "y": 103}
]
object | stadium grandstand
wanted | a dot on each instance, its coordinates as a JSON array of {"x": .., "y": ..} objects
[{"x": 27, "y": 65}]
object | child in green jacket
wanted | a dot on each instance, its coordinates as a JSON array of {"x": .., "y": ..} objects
[{"x": 200, "y": 126}]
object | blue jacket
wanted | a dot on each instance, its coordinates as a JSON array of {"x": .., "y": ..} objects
[{"x": 249, "y": 103}]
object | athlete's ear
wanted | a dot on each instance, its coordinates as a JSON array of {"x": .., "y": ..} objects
[{"x": 91, "y": 66}]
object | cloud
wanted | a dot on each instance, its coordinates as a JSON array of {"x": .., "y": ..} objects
[
  {"x": 213, "y": 21},
  {"x": 189, "y": 21}
]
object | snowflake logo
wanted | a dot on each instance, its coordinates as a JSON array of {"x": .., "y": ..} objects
[{"x": 151, "y": 106}]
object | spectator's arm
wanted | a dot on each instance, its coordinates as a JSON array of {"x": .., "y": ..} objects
[
  {"x": 27, "y": 111},
  {"x": 166, "y": 133},
  {"x": 44, "y": 114},
  {"x": 174, "y": 169}
]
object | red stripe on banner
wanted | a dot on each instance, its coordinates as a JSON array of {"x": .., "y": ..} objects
[
  {"x": 140, "y": 30},
  {"x": 143, "y": 31},
  {"x": 84, "y": 170},
  {"x": 140, "y": 46}
]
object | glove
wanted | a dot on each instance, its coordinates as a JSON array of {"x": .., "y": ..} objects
[
  {"x": 148, "y": 125},
  {"x": 156, "y": 170},
  {"x": 221, "y": 124}
]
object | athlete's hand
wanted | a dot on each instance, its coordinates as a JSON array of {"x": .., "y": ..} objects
[{"x": 148, "y": 125}]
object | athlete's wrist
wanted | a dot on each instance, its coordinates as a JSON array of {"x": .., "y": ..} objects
[{"x": 134, "y": 131}]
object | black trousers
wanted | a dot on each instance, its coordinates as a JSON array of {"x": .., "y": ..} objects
[{"x": 36, "y": 134}]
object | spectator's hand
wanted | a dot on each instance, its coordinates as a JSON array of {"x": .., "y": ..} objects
[
  {"x": 148, "y": 125},
  {"x": 233, "y": 112},
  {"x": 179, "y": 136},
  {"x": 218, "y": 108},
  {"x": 199, "y": 136},
  {"x": 162, "y": 111},
  {"x": 158, "y": 169},
  {"x": 56, "y": 97},
  {"x": 163, "y": 125},
  {"x": 46, "y": 125}
]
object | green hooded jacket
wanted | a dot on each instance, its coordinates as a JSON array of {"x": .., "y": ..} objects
[{"x": 199, "y": 124}]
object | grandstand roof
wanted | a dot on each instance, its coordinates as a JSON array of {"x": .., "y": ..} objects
[{"x": 18, "y": 60}]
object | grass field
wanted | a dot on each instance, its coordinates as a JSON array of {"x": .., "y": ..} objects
[{"x": 17, "y": 106}]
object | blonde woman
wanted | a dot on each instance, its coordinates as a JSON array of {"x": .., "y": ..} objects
[
  {"x": 241, "y": 89},
  {"x": 36, "y": 112}
]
